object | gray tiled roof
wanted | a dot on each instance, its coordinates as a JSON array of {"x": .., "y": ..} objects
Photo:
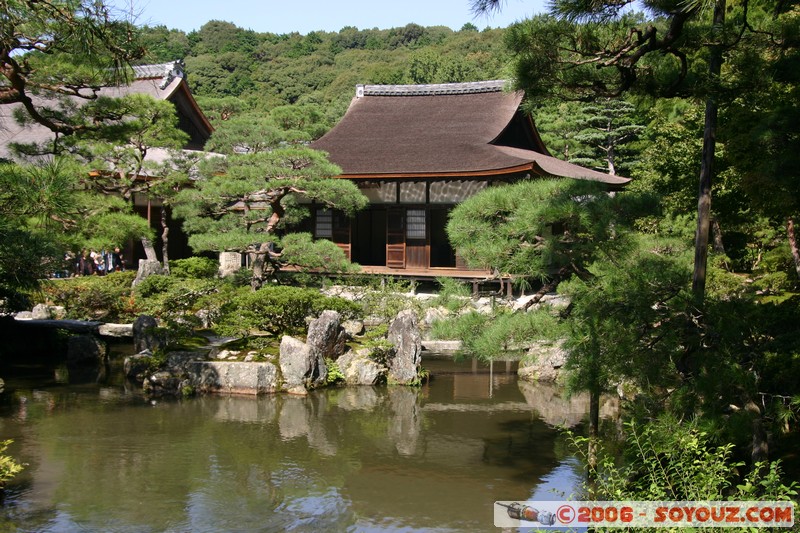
[
  {"x": 472, "y": 87},
  {"x": 159, "y": 81}
]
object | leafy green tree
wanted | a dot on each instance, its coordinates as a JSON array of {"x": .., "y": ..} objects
[
  {"x": 217, "y": 36},
  {"x": 559, "y": 229},
  {"x": 601, "y": 135},
  {"x": 221, "y": 109},
  {"x": 47, "y": 211},
  {"x": 613, "y": 53},
  {"x": 164, "y": 45},
  {"x": 307, "y": 118},
  {"x": 759, "y": 125},
  {"x": 249, "y": 134},
  {"x": 244, "y": 200},
  {"x": 118, "y": 151},
  {"x": 557, "y": 122},
  {"x": 429, "y": 67},
  {"x": 535, "y": 228},
  {"x": 62, "y": 48},
  {"x": 608, "y": 127}
]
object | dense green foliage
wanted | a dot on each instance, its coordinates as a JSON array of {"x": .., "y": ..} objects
[
  {"x": 194, "y": 268},
  {"x": 106, "y": 298},
  {"x": 62, "y": 48},
  {"x": 280, "y": 310},
  {"x": 662, "y": 465},
  {"x": 265, "y": 71},
  {"x": 45, "y": 211},
  {"x": 245, "y": 202}
]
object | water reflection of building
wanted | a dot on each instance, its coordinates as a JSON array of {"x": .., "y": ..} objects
[{"x": 555, "y": 407}]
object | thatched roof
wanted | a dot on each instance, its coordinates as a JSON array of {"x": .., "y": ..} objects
[
  {"x": 443, "y": 130},
  {"x": 164, "y": 82}
]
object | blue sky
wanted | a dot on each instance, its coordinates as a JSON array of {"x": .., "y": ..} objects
[{"x": 304, "y": 16}]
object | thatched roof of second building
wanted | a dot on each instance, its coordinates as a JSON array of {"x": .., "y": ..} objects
[{"x": 444, "y": 130}]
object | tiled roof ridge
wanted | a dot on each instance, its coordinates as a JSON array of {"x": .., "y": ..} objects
[
  {"x": 432, "y": 89},
  {"x": 166, "y": 71}
]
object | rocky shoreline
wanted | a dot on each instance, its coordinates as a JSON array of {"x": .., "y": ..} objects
[{"x": 300, "y": 366}]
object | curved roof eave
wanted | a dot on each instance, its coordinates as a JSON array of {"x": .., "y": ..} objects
[
  {"x": 561, "y": 169},
  {"x": 526, "y": 167}
]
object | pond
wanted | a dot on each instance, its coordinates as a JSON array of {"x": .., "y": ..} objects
[{"x": 101, "y": 457}]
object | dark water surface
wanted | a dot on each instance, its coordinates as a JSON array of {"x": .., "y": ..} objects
[{"x": 103, "y": 458}]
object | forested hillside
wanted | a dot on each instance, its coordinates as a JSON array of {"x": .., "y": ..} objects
[{"x": 265, "y": 70}]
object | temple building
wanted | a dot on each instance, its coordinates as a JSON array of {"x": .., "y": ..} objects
[
  {"x": 416, "y": 151},
  {"x": 163, "y": 82}
]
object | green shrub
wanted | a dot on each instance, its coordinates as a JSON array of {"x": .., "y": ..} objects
[
  {"x": 8, "y": 466},
  {"x": 335, "y": 375},
  {"x": 453, "y": 294},
  {"x": 387, "y": 298},
  {"x": 176, "y": 301},
  {"x": 153, "y": 285},
  {"x": 773, "y": 283},
  {"x": 107, "y": 298},
  {"x": 280, "y": 309},
  {"x": 194, "y": 268},
  {"x": 672, "y": 460}
]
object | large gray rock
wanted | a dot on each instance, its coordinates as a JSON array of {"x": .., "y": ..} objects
[
  {"x": 434, "y": 314},
  {"x": 173, "y": 377},
  {"x": 233, "y": 377},
  {"x": 137, "y": 366},
  {"x": 326, "y": 337},
  {"x": 85, "y": 350},
  {"x": 353, "y": 328},
  {"x": 162, "y": 383},
  {"x": 301, "y": 368},
  {"x": 147, "y": 268},
  {"x": 544, "y": 363},
  {"x": 358, "y": 369},
  {"x": 405, "y": 336},
  {"x": 116, "y": 330},
  {"x": 41, "y": 312},
  {"x": 146, "y": 335}
]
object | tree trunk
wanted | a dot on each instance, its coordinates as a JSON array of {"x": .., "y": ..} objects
[
  {"x": 149, "y": 249},
  {"x": 594, "y": 433},
  {"x": 760, "y": 447},
  {"x": 164, "y": 239},
  {"x": 550, "y": 286},
  {"x": 718, "y": 246},
  {"x": 707, "y": 165},
  {"x": 259, "y": 260},
  {"x": 793, "y": 244}
]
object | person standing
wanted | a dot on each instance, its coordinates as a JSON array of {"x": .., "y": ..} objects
[
  {"x": 99, "y": 263},
  {"x": 116, "y": 263},
  {"x": 85, "y": 264}
]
